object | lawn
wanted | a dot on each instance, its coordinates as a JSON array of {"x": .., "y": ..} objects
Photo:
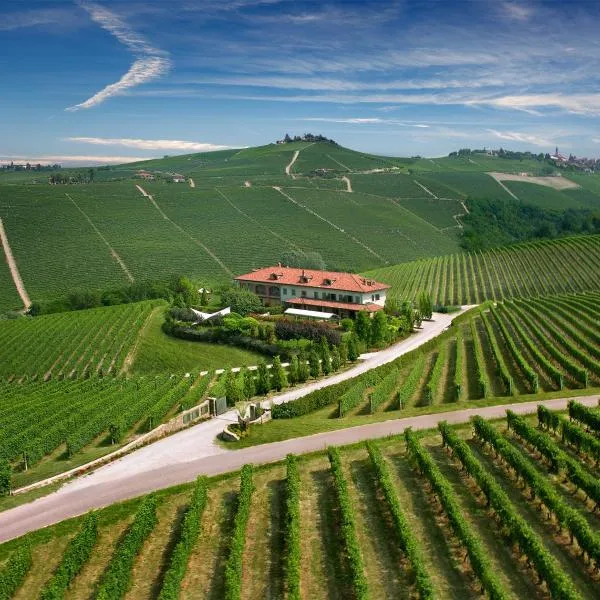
[{"x": 159, "y": 353}]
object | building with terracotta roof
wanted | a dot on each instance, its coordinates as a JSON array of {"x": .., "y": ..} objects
[{"x": 344, "y": 294}]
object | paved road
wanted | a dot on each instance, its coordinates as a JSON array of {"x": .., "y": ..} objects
[{"x": 71, "y": 501}]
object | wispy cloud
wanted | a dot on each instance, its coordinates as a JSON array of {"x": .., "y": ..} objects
[
  {"x": 365, "y": 121},
  {"x": 72, "y": 159},
  {"x": 582, "y": 104},
  {"x": 149, "y": 144},
  {"x": 515, "y": 136},
  {"x": 517, "y": 11},
  {"x": 150, "y": 62},
  {"x": 34, "y": 18}
]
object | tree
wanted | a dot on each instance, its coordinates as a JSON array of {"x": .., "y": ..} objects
[
  {"x": 336, "y": 362},
  {"x": 91, "y": 175},
  {"x": 353, "y": 353},
  {"x": 362, "y": 326},
  {"x": 186, "y": 291},
  {"x": 417, "y": 318},
  {"x": 303, "y": 370},
  {"x": 278, "y": 376},
  {"x": 249, "y": 385},
  {"x": 379, "y": 328},
  {"x": 425, "y": 305},
  {"x": 241, "y": 301},
  {"x": 392, "y": 306},
  {"x": 204, "y": 297},
  {"x": 343, "y": 349},
  {"x": 263, "y": 381},
  {"x": 314, "y": 364},
  {"x": 293, "y": 375},
  {"x": 5, "y": 477},
  {"x": 325, "y": 356}
]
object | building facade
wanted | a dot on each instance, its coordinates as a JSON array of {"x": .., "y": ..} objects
[{"x": 343, "y": 294}]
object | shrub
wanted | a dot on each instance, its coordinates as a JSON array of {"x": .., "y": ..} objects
[{"x": 286, "y": 329}]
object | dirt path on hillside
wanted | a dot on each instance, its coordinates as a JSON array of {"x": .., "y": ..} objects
[
  {"x": 337, "y": 227},
  {"x": 128, "y": 362},
  {"x": 14, "y": 270},
  {"x": 339, "y": 163},
  {"x": 192, "y": 183},
  {"x": 427, "y": 191},
  {"x": 73, "y": 500},
  {"x": 348, "y": 183},
  {"x": 506, "y": 189},
  {"x": 113, "y": 252},
  {"x": 288, "y": 169},
  {"x": 179, "y": 228},
  {"x": 555, "y": 182}
]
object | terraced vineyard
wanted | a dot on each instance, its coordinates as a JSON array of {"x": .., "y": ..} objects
[
  {"x": 491, "y": 512},
  {"x": 74, "y": 344},
  {"x": 566, "y": 265},
  {"x": 515, "y": 348},
  {"x": 58, "y": 421}
]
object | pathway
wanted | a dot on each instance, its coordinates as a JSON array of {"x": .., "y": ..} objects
[
  {"x": 113, "y": 252},
  {"x": 192, "y": 183},
  {"x": 348, "y": 183},
  {"x": 289, "y": 167},
  {"x": 425, "y": 189},
  {"x": 503, "y": 186},
  {"x": 73, "y": 499},
  {"x": 14, "y": 270}
]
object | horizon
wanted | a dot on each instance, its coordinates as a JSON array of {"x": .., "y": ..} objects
[{"x": 399, "y": 78}]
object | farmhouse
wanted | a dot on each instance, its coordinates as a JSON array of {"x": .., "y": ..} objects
[
  {"x": 177, "y": 178},
  {"x": 343, "y": 294},
  {"x": 146, "y": 175}
]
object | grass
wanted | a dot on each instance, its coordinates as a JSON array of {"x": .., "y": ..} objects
[
  {"x": 158, "y": 352},
  {"x": 324, "y": 572}
]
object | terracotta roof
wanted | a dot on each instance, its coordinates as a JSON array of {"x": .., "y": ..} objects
[
  {"x": 370, "y": 307},
  {"x": 346, "y": 282}
]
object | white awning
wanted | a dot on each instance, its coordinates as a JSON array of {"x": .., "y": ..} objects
[{"x": 310, "y": 314}]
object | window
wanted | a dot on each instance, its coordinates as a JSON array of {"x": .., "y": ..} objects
[
  {"x": 316, "y": 294},
  {"x": 293, "y": 292},
  {"x": 303, "y": 294},
  {"x": 357, "y": 299},
  {"x": 376, "y": 296},
  {"x": 285, "y": 291}
]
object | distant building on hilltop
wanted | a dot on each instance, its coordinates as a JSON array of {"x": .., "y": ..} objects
[
  {"x": 146, "y": 175},
  {"x": 178, "y": 178},
  {"x": 343, "y": 294}
]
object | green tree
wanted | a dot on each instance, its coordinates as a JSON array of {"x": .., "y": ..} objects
[
  {"x": 263, "y": 381},
  {"x": 418, "y": 319},
  {"x": 314, "y": 364},
  {"x": 241, "y": 301},
  {"x": 379, "y": 328},
  {"x": 234, "y": 391},
  {"x": 204, "y": 297},
  {"x": 5, "y": 477},
  {"x": 249, "y": 385},
  {"x": 186, "y": 291},
  {"x": 293, "y": 375},
  {"x": 343, "y": 352},
  {"x": 392, "y": 306},
  {"x": 325, "y": 356},
  {"x": 353, "y": 352},
  {"x": 425, "y": 305},
  {"x": 303, "y": 369},
  {"x": 335, "y": 359},
  {"x": 362, "y": 326},
  {"x": 278, "y": 376}
]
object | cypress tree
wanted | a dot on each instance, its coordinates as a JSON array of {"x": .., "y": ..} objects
[
  {"x": 325, "y": 356},
  {"x": 314, "y": 364},
  {"x": 249, "y": 385},
  {"x": 293, "y": 375},
  {"x": 353, "y": 353},
  {"x": 278, "y": 377},
  {"x": 303, "y": 370},
  {"x": 263, "y": 381},
  {"x": 335, "y": 359}
]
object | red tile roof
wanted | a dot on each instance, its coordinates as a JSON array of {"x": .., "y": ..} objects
[
  {"x": 346, "y": 282},
  {"x": 370, "y": 307}
]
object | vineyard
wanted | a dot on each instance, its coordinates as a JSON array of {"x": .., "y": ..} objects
[
  {"x": 73, "y": 344},
  {"x": 567, "y": 265},
  {"x": 64, "y": 423},
  {"x": 505, "y": 510},
  {"x": 514, "y": 348}
]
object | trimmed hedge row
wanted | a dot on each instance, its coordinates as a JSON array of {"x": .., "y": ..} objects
[
  {"x": 383, "y": 392},
  {"x": 409, "y": 387},
  {"x": 314, "y": 401},
  {"x": 583, "y": 414},
  {"x": 74, "y": 558},
  {"x": 117, "y": 577},
  {"x": 348, "y": 526},
  {"x": 180, "y": 556},
  {"x": 433, "y": 389},
  {"x": 501, "y": 368},
  {"x": 14, "y": 572},
  {"x": 482, "y": 379},
  {"x": 292, "y": 530},
  {"x": 459, "y": 365},
  {"x": 560, "y": 461},
  {"x": 463, "y": 531},
  {"x": 530, "y": 374},
  {"x": 548, "y": 568},
  {"x": 233, "y": 567},
  {"x": 541, "y": 488},
  {"x": 402, "y": 525}
]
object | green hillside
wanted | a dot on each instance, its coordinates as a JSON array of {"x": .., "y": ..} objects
[{"x": 566, "y": 265}]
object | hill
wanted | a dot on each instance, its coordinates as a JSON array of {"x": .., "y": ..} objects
[
  {"x": 565, "y": 265},
  {"x": 428, "y": 531}
]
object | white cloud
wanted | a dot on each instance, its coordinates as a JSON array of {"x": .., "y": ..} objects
[
  {"x": 365, "y": 121},
  {"x": 528, "y": 138},
  {"x": 141, "y": 71},
  {"x": 517, "y": 11},
  {"x": 596, "y": 140},
  {"x": 583, "y": 104},
  {"x": 149, "y": 144},
  {"x": 73, "y": 159},
  {"x": 150, "y": 63},
  {"x": 33, "y": 18}
]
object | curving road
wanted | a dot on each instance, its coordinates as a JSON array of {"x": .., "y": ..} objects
[{"x": 73, "y": 500}]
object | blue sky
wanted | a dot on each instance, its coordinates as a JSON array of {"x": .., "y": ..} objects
[{"x": 124, "y": 79}]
